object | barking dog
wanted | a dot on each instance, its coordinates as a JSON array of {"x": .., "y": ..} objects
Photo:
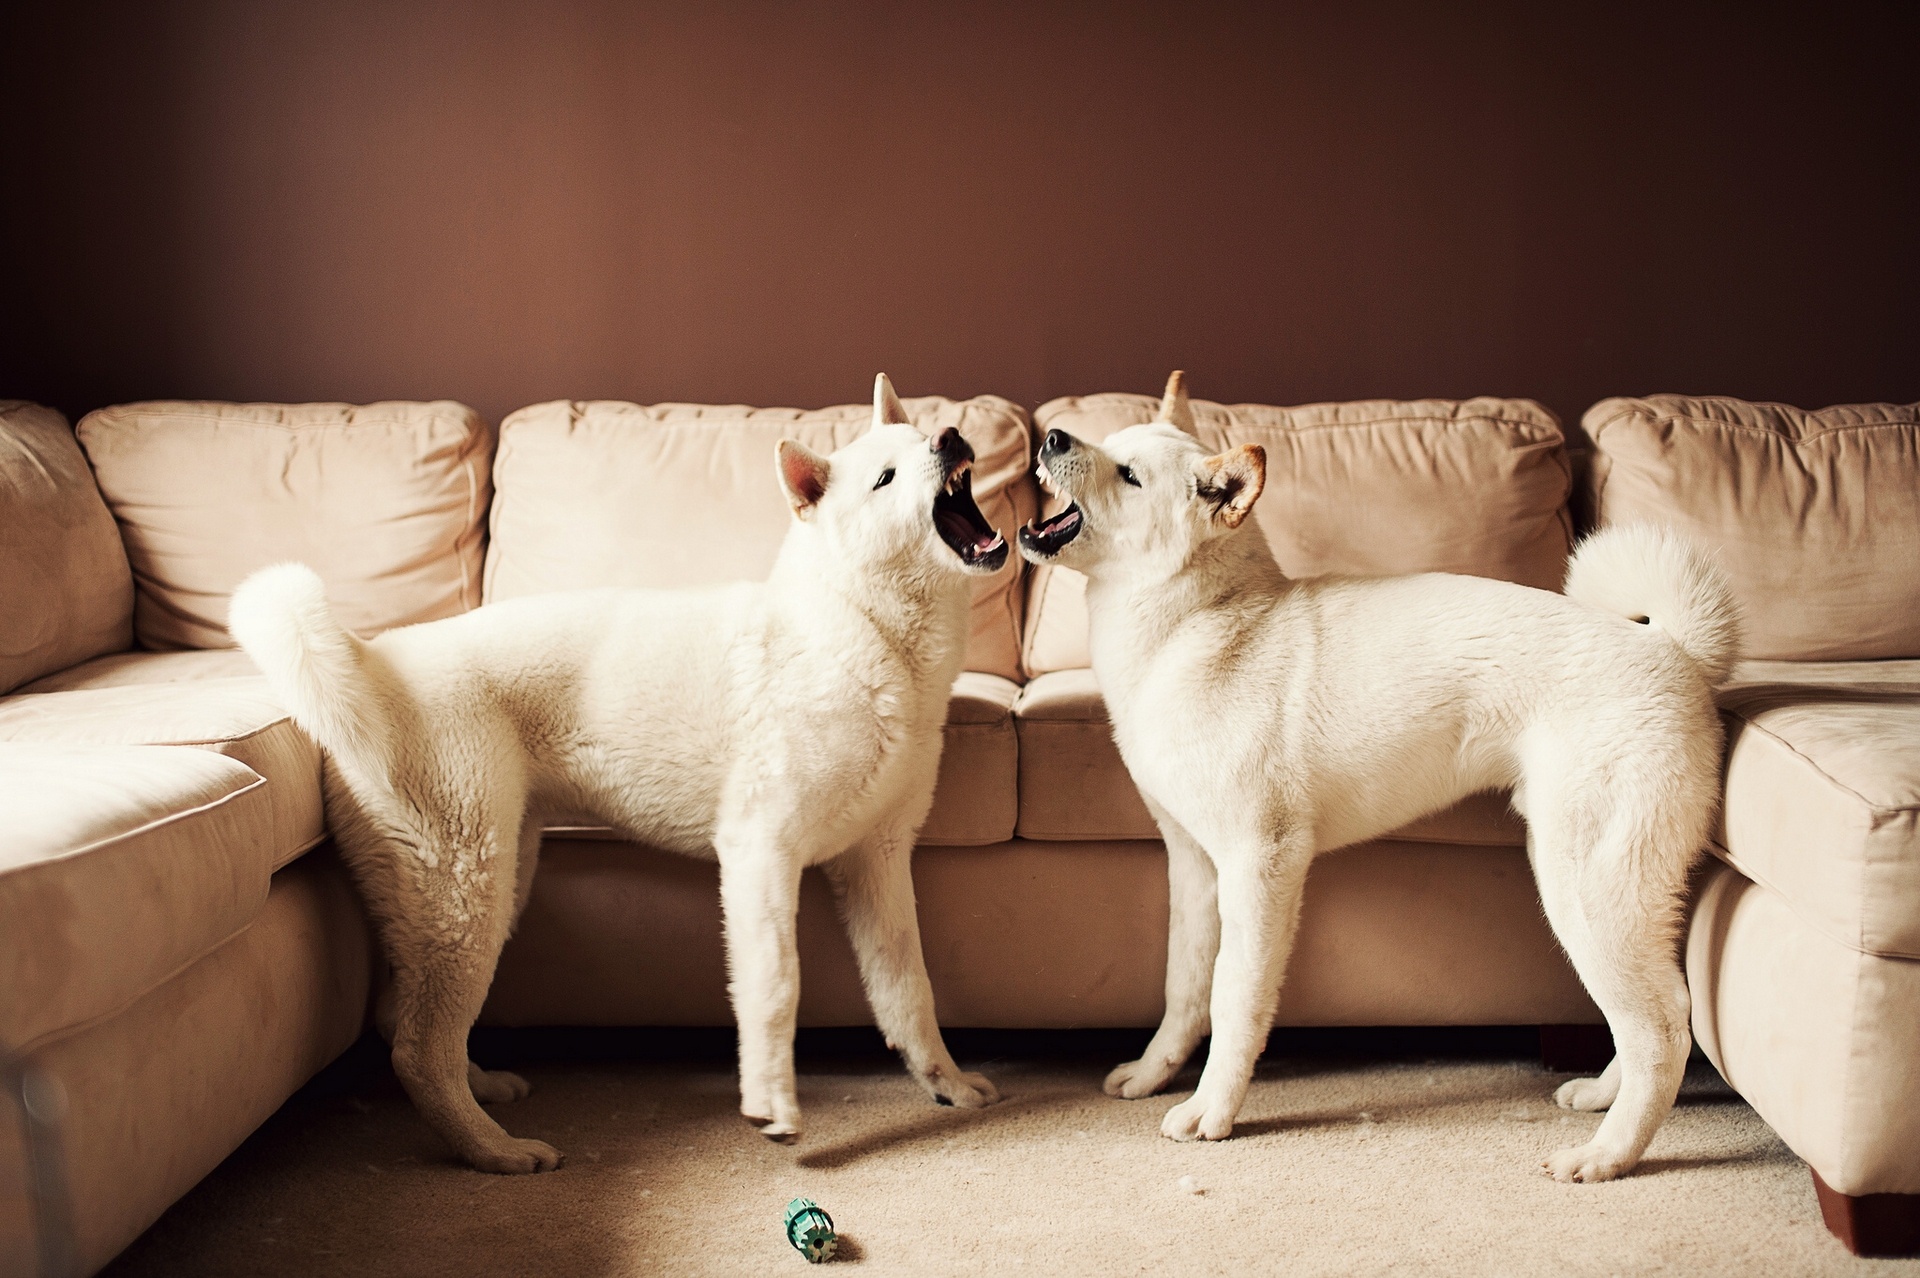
[
  {"x": 771, "y": 726},
  {"x": 1266, "y": 721}
]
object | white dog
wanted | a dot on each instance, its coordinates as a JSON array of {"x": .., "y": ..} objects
[
  {"x": 1266, "y": 721},
  {"x": 773, "y": 726}
]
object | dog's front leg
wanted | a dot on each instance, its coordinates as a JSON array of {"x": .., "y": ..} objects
[
  {"x": 875, "y": 884},
  {"x": 1193, "y": 943},
  {"x": 1259, "y": 898},
  {"x": 760, "y": 901}
]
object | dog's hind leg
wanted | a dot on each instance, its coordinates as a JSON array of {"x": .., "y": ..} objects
[
  {"x": 760, "y": 905},
  {"x": 1193, "y": 943},
  {"x": 442, "y": 969},
  {"x": 499, "y": 1086},
  {"x": 1259, "y": 896},
  {"x": 874, "y": 881},
  {"x": 1614, "y": 905}
]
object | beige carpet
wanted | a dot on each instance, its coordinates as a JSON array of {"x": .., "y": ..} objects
[{"x": 1339, "y": 1166}]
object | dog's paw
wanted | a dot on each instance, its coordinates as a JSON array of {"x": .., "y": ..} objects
[
  {"x": 1586, "y": 1094},
  {"x": 968, "y": 1091},
  {"x": 513, "y": 1157},
  {"x": 1191, "y": 1119},
  {"x": 1136, "y": 1079},
  {"x": 779, "y": 1131},
  {"x": 496, "y": 1086},
  {"x": 1585, "y": 1165}
]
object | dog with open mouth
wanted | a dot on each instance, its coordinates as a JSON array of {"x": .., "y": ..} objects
[
  {"x": 1266, "y": 721},
  {"x": 771, "y": 726}
]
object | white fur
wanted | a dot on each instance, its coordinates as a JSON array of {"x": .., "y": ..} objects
[
  {"x": 773, "y": 726},
  {"x": 1267, "y": 720}
]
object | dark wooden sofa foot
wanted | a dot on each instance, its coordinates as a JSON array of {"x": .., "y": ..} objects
[
  {"x": 1871, "y": 1224},
  {"x": 1575, "y": 1049}
]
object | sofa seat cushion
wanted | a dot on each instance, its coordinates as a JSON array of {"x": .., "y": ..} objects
[
  {"x": 604, "y": 493},
  {"x": 976, "y": 800},
  {"x": 65, "y": 590},
  {"x": 121, "y": 866},
  {"x": 1474, "y": 486},
  {"x": 125, "y": 669},
  {"x": 387, "y": 502},
  {"x": 1815, "y": 516},
  {"x": 237, "y": 717},
  {"x": 1074, "y": 785},
  {"x": 1823, "y": 797}
]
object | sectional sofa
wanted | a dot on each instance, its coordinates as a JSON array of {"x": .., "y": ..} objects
[{"x": 180, "y": 948}]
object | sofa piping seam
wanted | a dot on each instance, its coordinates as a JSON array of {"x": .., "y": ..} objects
[
  {"x": 1813, "y": 923},
  {"x": 60, "y": 1033},
  {"x": 155, "y": 824},
  {"x": 1875, "y": 808}
]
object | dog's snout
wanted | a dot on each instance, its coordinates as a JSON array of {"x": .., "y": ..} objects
[
  {"x": 1056, "y": 442},
  {"x": 951, "y": 445}
]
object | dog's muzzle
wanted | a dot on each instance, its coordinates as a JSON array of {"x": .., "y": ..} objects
[
  {"x": 1046, "y": 538},
  {"x": 955, "y": 516}
]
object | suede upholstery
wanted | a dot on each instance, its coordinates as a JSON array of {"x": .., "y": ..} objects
[
  {"x": 1834, "y": 767},
  {"x": 1045, "y": 934},
  {"x": 120, "y": 867},
  {"x": 160, "y": 1093},
  {"x": 1816, "y": 515},
  {"x": 237, "y": 717},
  {"x": 1471, "y": 486},
  {"x": 180, "y": 960},
  {"x": 613, "y": 494},
  {"x": 65, "y": 590},
  {"x": 1819, "y": 1036},
  {"x": 387, "y": 502}
]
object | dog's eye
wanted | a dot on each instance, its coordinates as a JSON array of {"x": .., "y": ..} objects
[
  {"x": 1126, "y": 473},
  {"x": 886, "y": 477}
]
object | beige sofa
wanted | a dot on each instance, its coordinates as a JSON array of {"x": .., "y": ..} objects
[{"x": 180, "y": 949}]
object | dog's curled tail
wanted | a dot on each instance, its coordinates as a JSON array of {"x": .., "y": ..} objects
[
  {"x": 280, "y": 617},
  {"x": 1653, "y": 574}
]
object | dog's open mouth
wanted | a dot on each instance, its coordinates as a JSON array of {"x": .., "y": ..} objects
[
  {"x": 1047, "y": 537},
  {"x": 961, "y": 525}
]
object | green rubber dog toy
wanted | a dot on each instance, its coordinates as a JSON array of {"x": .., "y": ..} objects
[{"x": 810, "y": 1230}]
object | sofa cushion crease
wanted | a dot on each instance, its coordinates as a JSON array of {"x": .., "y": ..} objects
[
  {"x": 236, "y": 716},
  {"x": 1822, "y": 804},
  {"x": 159, "y": 847}
]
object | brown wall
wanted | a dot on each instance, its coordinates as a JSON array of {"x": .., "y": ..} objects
[{"x": 502, "y": 202}]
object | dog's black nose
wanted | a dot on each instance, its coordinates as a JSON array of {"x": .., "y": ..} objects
[
  {"x": 1057, "y": 441},
  {"x": 951, "y": 445}
]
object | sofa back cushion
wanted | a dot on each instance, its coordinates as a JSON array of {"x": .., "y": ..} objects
[
  {"x": 387, "y": 502},
  {"x": 1473, "y": 486},
  {"x": 1815, "y": 515},
  {"x": 603, "y": 493},
  {"x": 65, "y": 593}
]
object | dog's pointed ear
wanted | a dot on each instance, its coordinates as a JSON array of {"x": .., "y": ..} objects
[
  {"x": 1175, "y": 411},
  {"x": 803, "y": 473},
  {"x": 1232, "y": 481},
  {"x": 887, "y": 408}
]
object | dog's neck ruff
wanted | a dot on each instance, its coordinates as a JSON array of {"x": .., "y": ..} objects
[
  {"x": 898, "y": 600},
  {"x": 1134, "y": 610}
]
